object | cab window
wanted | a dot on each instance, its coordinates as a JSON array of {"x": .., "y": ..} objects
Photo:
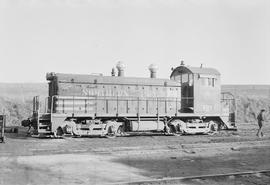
[
  {"x": 184, "y": 78},
  {"x": 208, "y": 82}
]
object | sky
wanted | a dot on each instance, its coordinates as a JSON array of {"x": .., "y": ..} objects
[{"x": 91, "y": 36}]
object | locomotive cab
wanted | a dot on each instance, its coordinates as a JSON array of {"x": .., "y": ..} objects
[{"x": 199, "y": 82}]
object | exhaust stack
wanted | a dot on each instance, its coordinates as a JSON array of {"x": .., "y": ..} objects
[
  {"x": 153, "y": 71},
  {"x": 113, "y": 72},
  {"x": 120, "y": 67}
]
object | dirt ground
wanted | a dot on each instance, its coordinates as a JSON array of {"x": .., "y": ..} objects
[{"x": 145, "y": 159}]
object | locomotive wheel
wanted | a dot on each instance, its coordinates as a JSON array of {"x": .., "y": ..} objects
[
  {"x": 119, "y": 131},
  {"x": 59, "y": 132},
  {"x": 3, "y": 139},
  {"x": 177, "y": 127},
  {"x": 111, "y": 132},
  {"x": 179, "y": 130},
  {"x": 172, "y": 130},
  {"x": 213, "y": 126},
  {"x": 167, "y": 129},
  {"x": 67, "y": 129}
]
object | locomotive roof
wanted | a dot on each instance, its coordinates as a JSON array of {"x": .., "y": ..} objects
[
  {"x": 195, "y": 70},
  {"x": 83, "y": 78}
]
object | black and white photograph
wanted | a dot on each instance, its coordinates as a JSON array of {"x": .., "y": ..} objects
[{"x": 134, "y": 92}]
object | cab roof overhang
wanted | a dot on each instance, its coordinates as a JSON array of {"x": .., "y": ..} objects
[{"x": 194, "y": 70}]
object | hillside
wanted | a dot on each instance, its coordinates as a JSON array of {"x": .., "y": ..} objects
[
  {"x": 249, "y": 99},
  {"x": 23, "y": 91},
  {"x": 251, "y": 91},
  {"x": 16, "y": 100}
]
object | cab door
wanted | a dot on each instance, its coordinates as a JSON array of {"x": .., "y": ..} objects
[{"x": 187, "y": 92}]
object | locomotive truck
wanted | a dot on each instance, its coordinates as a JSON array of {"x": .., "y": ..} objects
[{"x": 189, "y": 102}]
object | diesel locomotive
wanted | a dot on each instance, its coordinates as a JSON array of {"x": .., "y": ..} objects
[{"x": 188, "y": 102}]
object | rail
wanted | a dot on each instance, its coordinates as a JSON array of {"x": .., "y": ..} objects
[{"x": 173, "y": 180}]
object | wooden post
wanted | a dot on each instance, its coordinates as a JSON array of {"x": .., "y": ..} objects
[{"x": 2, "y": 124}]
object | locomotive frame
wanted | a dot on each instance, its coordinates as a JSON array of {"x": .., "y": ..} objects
[{"x": 94, "y": 105}]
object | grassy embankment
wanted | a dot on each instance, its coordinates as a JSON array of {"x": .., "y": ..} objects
[{"x": 250, "y": 99}]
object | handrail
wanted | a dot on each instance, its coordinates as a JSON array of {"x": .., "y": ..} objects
[
  {"x": 174, "y": 103},
  {"x": 52, "y": 98},
  {"x": 46, "y": 106},
  {"x": 113, "y": 97}
]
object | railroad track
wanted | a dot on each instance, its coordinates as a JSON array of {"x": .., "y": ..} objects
[
  {"x": 183, "y": 147},
  {"x": 176, "y": 180}
]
